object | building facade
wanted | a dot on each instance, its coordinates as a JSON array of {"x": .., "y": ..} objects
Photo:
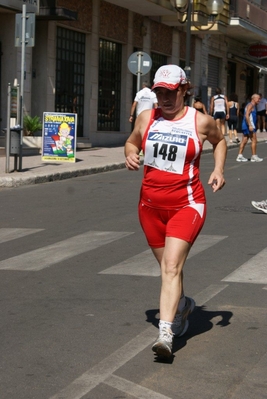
[{"x": 79, "y": 59}]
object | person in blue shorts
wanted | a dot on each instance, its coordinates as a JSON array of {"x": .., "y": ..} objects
[{"x": 249, "y": 126}]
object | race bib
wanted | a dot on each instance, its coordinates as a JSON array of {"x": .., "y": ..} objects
[{"x": 166, "y": 152}]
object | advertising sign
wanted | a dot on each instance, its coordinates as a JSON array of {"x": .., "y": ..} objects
[
  {"x": 59, "y": 137},
  {"x": 258, "y": 50},
  {"x": 14, "y": 102}
]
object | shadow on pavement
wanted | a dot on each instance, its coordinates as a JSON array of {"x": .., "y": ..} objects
[{"x": 200, "y": 322}]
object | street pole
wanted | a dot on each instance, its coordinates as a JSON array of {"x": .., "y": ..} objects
[
  {"x": 8, "y": 129},
  {"x": 23, "y": 45},
  {"x": 139, "y": 63},
  {"x": 188, "y": 41}
]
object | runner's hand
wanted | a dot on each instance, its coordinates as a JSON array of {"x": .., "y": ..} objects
[{"x": 132, "y": 161}]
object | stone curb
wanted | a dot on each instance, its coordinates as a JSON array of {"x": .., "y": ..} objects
[{"x": 18, "y": 181}]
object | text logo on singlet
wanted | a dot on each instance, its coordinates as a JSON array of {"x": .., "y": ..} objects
[{"x": 168, "y": 138}]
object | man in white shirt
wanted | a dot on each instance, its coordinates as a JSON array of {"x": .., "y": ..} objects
[{"x": 144, "y": 99}]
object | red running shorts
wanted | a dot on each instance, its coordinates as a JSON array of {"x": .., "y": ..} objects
[{"x": 184, "y": 223}]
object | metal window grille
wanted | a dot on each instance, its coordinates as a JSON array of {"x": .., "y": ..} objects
[
  {"x": 157, "y": 61},
  {"x": 182, "y": 64},
  {"x": 0, "y": 80},
  {"x": 109, "y": 86},
  {"x": 213, "y": 72},
  {"x": 70, "y": 66}
]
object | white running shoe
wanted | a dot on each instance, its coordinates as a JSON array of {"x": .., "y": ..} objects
[
  {"x": 255, "y": 158},
  {"x": 180, "y": 323},
  {"x": 261, "y": 206},
  {"x": 240, "y": 158},
  {"x": 263, "y": 202},
  {"x": 163, "y": 346}
]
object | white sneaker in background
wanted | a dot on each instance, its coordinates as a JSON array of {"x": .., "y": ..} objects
[
  {"x": 261, "y": 206},
  {"x": 255, "y": 158},
  {"x": 240, "y": 158},
  {"x": 263, "y": 202}
]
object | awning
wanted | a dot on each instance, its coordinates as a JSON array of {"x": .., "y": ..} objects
[{"x": 261, "y": 68}]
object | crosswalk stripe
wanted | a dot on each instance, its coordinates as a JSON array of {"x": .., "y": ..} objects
[
  {"x": 253, "y": 271},
  {"x": 208, "y": 293},
  {"x": 8, "y": 234},
  {"x": 60, "y": 251},
  {"x": 130, "y": 388},
  {"x": 144, "y": 264}
]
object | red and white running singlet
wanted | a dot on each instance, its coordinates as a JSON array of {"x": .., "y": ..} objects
[{"x": 171, "y": 162}]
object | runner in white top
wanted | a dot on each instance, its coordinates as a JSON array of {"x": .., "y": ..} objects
[
  {"x": 219, "y": 109},
  {"x": 144, "y": 99}
]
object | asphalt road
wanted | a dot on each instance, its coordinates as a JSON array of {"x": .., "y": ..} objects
[{"x": 79, "y": 292}]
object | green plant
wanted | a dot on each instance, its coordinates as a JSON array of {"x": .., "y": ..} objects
[{"x": 31, "y": 124}]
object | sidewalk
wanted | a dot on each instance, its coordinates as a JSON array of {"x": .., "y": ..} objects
[{"x": 94, "y": 160}]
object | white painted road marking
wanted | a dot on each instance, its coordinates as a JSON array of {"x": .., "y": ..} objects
[
  {"x": 102, "y": 372},
  {"x": 209, "y": 293},
  {"x": 253, "y": 271},
  {"x": 144, "y": 264},
  {"x": 60, "y": 251},
  {"x": 98, "y": 373},
  {"x": 7, "y": 234},
  {"x": 132, "y": 389}
]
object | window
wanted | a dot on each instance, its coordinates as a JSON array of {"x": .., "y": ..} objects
[
  {"x": 231, "y": 78},
  {"x": 1, "y": 116},
  {"x": 213, "y": 73},
  {"x": 70, "y": 74},
  {"x": 109, "y": 86},
  {"x": 182, "y": 64}
]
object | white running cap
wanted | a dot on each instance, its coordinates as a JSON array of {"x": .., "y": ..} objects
[{"x": 170, "y": 77}]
